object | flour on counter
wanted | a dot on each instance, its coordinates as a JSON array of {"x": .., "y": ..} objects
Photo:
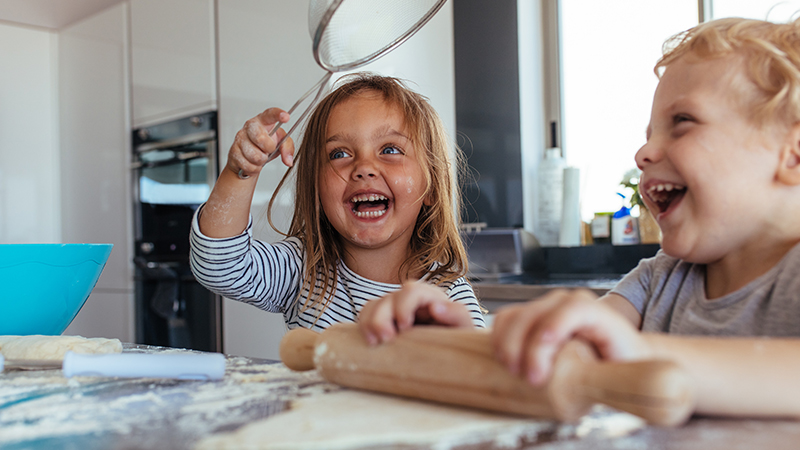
[
  {"x": 351, "y": 419},
  {"x": 257, "y": 406},
  {"x": 37, "y": 405}
]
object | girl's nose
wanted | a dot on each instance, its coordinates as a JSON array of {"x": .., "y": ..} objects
[{"x": 364, "y": 169}]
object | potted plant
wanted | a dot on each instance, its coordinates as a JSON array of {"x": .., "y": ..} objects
[{"x": 649, "y": 233}]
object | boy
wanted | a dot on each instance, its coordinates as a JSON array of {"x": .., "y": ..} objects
[{"x": 721, "y": 174}]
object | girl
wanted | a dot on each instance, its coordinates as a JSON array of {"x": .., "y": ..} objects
[{"x": 374, "y": 211}]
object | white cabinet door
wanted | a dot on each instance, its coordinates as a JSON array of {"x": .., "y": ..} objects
[
  {"x": 172, "y": 59},
  {"x": 105, "y": 314},
  {"x": 95, "y": 180}
]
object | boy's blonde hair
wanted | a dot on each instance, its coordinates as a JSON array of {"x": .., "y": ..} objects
[
  {"x": 771, "y": 56},
  {"x": 436, "y": 247}
]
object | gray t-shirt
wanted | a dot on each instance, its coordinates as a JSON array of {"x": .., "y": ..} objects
[{"x": 669, "y": 293}]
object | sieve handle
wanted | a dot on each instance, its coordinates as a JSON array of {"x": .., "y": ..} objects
[{"x": 319, "y": 87}]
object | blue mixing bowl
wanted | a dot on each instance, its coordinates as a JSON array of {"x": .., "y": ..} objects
[{"x": 43, "y": 286}]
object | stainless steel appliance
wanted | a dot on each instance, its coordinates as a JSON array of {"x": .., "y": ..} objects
[
  {"x": 496, "y": 253},
  {"x": 175, "y": 166}
]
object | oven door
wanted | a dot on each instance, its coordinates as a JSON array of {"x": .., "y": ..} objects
[
  {"x": 174, "y": 169},
  {"x": 171, "y": 184}
]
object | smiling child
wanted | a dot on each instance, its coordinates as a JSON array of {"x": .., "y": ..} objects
[
  {"x": 374, "y": 213},
  {"x": 721, "y": 174}
]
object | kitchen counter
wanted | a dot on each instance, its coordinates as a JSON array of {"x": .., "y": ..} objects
[
  {"x": 43, "y": 410},
  {"x": 500, "y": 291},
  {"x": 595, "y": 267}
]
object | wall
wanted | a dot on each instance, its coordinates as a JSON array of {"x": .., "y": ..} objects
[
  {"x": 95, "y": 151},
  {"x": 29, "y": 157}
]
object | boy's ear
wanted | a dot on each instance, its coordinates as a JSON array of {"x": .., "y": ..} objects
[{"x": 789, "y": 168}]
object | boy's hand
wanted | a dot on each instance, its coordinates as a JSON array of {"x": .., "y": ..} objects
[
  {"x": 528, "y": 337},
  {"x": 415, "y": 303},
  {"x": 253, "y": 145}
]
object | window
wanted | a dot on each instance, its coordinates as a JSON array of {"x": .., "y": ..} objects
[
  {"x": 608, "y": 50},
  {"x": 773, "y": 10},
  {"x": 585, "y": 65}
]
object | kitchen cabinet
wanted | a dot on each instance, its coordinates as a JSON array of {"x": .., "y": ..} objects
[
  {"x": 173, "y": 62},
  {"x": 94, "y": 176}
]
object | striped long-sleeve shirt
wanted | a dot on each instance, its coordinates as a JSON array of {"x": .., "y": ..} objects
[{"x": 270, "y": 276}]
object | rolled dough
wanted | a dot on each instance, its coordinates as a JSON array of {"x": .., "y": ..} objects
[
  {"x": 350, "y": 419},
  {"x": 54, "y": 347}
]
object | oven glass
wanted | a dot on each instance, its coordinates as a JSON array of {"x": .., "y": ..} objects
[{"x": 175, "y": 176}]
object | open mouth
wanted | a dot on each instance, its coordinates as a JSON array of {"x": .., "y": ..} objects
[
  {"x": 368, "y": 206},
  {"x": 665, "y": 194}
]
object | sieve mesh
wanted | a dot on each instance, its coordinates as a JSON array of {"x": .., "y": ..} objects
[
  {"x": 351, "y": 33},
  {"x": 347, "y": 34}
]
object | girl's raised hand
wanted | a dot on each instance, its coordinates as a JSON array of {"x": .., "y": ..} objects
[
  {"x": 415, "y": 303},
  {"x": 253, "y": 145},
  {"x": 527, "y": 337}
]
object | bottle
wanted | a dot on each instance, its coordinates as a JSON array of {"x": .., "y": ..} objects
[
  {"x": 601, "y": 228},
  {"x": 624, "y": 227},
  {"x": 570, "y": 231},
  {"x": 550, "y": 195}
]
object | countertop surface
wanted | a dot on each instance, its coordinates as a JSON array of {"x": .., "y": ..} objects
[
  {"x": 499, "y": 291},
  {"x": 43, "y": 410}
]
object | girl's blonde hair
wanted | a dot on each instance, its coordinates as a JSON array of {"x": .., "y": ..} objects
[
  {"x": 436, "y": 247},
  {"x": 771, "y": 55}
]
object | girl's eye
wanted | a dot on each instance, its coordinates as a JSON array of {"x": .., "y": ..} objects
[
  {"x": 391, "y": 150},
  {"x": 336, "y": 154}
]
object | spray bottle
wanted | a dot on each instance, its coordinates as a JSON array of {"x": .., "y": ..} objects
[{"x": 624, "y": 227}]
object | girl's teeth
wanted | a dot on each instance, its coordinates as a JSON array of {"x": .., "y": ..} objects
[
  {"x": 370, "y": 214},
  {"x": 369, "y": 198}
]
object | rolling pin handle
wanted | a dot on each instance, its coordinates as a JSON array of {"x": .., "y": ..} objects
[
  {"x": 297, "y": 349},
  {"x": 660, "y": 392}
]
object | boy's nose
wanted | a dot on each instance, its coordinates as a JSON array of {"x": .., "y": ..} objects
[{"x": 647, "y": 154}]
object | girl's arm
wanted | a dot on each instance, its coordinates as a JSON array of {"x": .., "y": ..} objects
[
  {"x": 733, "y": 376},
  {"x": 227, "y": 211}
]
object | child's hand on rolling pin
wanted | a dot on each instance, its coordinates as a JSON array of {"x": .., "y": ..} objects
[
  {"x": 253, "y": 145},
  {"x": 415, "y": 303},
  {"x": 527, "y": 337}
]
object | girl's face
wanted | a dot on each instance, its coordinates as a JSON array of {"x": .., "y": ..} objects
[
  {"x": 707, "y": 170},
  {"x": 371, "y": 182}
]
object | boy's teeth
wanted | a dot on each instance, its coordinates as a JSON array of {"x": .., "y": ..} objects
[{"x": 664, "y": 187}]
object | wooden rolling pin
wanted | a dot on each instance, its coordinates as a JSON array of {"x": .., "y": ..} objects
[{"x": 457, "y": 366}]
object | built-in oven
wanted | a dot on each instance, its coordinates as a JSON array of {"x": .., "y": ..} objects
[{"x": 175, "y": 165}]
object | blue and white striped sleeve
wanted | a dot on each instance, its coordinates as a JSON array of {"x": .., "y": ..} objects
[
  {"x": 241, "y": 268},
  {"x": 460, "y": 291}
]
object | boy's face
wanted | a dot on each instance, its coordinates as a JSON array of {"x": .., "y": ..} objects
[
  {"x": 707, "y": 171},
  {"x": 371, "y": 183}
]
